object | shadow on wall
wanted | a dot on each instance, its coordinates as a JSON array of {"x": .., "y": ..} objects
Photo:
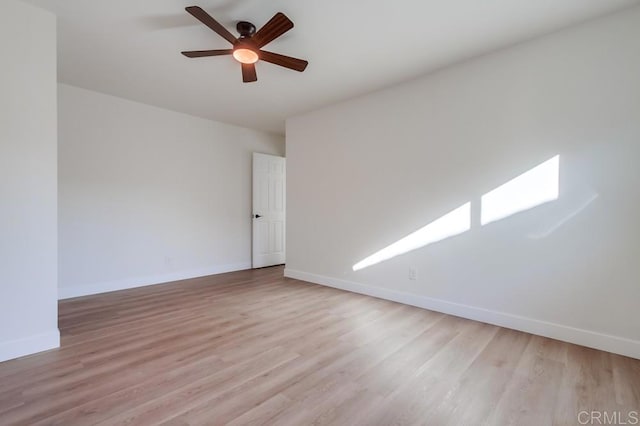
[{"x": 538, "y": 186}]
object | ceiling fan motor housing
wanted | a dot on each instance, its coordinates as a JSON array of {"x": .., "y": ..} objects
[{"x": 246, "y": 29}]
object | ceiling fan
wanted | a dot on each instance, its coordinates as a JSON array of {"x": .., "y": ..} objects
[{"x": 247, "y": 49}]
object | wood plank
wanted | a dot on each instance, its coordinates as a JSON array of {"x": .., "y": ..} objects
[{"x": 252, "y": 347}]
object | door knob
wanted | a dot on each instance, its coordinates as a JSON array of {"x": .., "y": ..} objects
[{"x": 257, "y": 216}]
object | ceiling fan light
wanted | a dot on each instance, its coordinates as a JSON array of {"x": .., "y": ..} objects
[{"x": 245, "y": 56}]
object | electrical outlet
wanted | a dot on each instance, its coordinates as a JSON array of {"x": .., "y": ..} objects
[
  {"x": 413, "y": 274},
  {"x": 168, "y": 261}
]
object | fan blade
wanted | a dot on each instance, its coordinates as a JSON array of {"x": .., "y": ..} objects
[
  {"x": 283, "y": 61},
  {"x": 249, "y": 73},
  {"x": 206, "y": 19},
  {"x": 273, "y": 29},
  {"x": 204, "y": 53}
]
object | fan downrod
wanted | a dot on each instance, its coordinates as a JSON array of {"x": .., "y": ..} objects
[{"x": 246, "y": 29}]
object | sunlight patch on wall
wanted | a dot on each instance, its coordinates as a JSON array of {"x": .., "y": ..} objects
[
  {"x": 537, "y": 186},
  {"x": 453, "y": 223}
]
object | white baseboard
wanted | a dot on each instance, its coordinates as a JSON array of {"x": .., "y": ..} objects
[
  {"x": 104, "y": 287},
  {"x": 29, "y": 345},
  {"x": 605, "y": 342}
]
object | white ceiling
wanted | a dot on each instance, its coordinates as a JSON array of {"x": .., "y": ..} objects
[{"x": 132, "y": 49}]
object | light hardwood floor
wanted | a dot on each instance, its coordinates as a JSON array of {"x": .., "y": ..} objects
[{"x": 252, "y": 347}]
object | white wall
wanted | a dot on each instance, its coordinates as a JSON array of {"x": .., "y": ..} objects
[
  {"x": 149, "y": 195},
  {"x": 28, "y": 187},
  {"x": 367, "y": 172}
]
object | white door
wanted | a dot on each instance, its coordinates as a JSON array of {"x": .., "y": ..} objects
[{"x": 269, "y": 180}]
